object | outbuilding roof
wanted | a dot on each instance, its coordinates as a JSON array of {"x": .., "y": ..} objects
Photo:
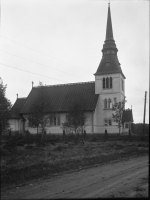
[
  {"x": 127, "y": 116},
  {"x": 61, "y": 97}
]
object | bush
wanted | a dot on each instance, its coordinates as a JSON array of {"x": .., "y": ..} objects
[{"x": 4, "y": 152}]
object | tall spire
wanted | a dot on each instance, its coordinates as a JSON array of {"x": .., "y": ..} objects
[
  {"x": 109, "y": 40},
  {"x": 109, "y": 31},
  {"x": 109, "y": 63}
]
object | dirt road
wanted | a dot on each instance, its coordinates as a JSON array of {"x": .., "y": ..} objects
[{"x": 117, "y": 179}]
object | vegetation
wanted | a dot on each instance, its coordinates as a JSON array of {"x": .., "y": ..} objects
[
  {"x": 138, "y": 129},
  {"x": 38, "y": 117},
  {"x": 5, "y": 106},
  {"x": 75, "y": 119},
  {"x": 23, "y": 160},
  {"x": 118, "y": 107}
]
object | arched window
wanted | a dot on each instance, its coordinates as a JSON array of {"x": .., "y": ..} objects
[
  {"x": 110, "y": 82},
  {"x": 58, "y": 120},
  {"x": 115, "y": 99},
  {"x": 122, "y": 85},
  {"x": 126, "y": 125},
  {"x": 54, "y": 121},
  {"x": 109, "y": 103},
  {"x": 105, "y": 104},
  {"x": 103, "y": 83},
  {"x": 107, "y": 82},
  {"x": 110, "y": 122},
  {"x": 105, "y": 122}
]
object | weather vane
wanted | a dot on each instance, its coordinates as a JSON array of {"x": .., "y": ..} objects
[{"x": 109, "y": 2}]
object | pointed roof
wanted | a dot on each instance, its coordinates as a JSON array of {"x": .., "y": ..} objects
[
  {"x": 109, "y": 31},
  {"x": 14, "y": 112},
  {"x": 109, "y": 52},
  {"x": 127, "y": 116},
  {"x": 113, "y": 67},
  {"x": 109, "y": 41}
]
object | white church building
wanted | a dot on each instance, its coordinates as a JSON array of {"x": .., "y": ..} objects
[{"x": 98, "y": 96}]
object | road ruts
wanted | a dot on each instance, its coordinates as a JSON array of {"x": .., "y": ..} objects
[{"x": 109, "y": 180}]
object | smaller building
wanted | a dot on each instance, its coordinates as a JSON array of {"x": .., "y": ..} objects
[
  {"x": 16, "y": 121},
  {"x": 127, "y": 119}
]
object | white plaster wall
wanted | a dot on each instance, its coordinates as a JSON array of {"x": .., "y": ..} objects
[
  {"x": 115, "y": 92},
  {"x": 110, "y": 129},
  {"x": 125, "y": 130},
  {"x": 116, "y": 83},
  {"x": 57, "y": 129},
  {"x": 15, "y": 124},
  {"x": 89, "y": 122}
]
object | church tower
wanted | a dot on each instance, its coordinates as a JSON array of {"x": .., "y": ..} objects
[{"x": 109, "y": 83}]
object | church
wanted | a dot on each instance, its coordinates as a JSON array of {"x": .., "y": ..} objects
[{"x": 98, "y": 96}]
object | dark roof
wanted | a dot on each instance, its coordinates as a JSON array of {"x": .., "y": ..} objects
[
  {"x": 114, "y": 66},
  {"x": 109, "y": 30},
  {"x": 62, "y": 96},
  {"x": 14, "y": 113},
  {"x": 127, "y": 116},
  {"x": 109, "y": 41}
]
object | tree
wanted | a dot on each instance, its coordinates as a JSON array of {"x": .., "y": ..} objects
[
  {"x": 76, "y": 118},
  {"x": 39, "y": 117},
  {"x": 118, "y": 107},
  {"x": 5, "y": 106}
]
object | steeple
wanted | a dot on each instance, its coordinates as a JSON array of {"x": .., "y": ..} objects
[
  {"x": 109, "y": 31},
  {"x": 109, "y": 41},
  {"x": 109, "y": 63}
]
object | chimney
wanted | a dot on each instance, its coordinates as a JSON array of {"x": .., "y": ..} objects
[{"x": 17, "y": 96}]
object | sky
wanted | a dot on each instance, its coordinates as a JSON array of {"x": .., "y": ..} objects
[{"x": 60, "y": 41}]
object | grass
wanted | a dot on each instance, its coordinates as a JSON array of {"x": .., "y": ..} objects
[
  {"x": 141, "y": 190},
  {"x": 21, "y": 164}
]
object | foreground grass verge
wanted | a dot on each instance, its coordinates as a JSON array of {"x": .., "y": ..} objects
[{"x": 23, "y": 165}]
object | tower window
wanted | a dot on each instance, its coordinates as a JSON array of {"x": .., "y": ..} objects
[
  {"x": 105, "y": 104},
  {"x": 108, "y": 52},
  {"x": 105, "y": 122},
  {"x": 107, "y": 82},
  {"x": 109, "y": 103},
  {"x": 103, "y": 83},
  {"x": 122, "y": 85},
  {"x": 110, "y": 82},
  {"x": 109, "y": 121},
  {"x": 113, "y": 52}
]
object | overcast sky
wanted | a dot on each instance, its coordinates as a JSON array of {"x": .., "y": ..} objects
[{"x": 60, "y": 41}]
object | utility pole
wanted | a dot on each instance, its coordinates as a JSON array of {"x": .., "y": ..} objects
[{"x": 144, "y": 113}]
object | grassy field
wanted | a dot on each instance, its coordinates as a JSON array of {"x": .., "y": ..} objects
[{"x": 28, "y": 161}]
